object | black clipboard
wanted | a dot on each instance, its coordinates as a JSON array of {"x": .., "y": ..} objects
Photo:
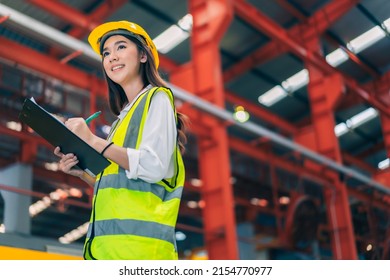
[{"x": 57, "y": 134}]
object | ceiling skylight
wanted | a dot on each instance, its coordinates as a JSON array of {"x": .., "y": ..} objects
[
  {"x": 366, "y": 40},
  {"x": 334, "y": 58},
  {"x": 384, "y": 164},
  {"x": 296, "y": 81},
  {"x": 355, "y": 121},
  {"x": 277, "y": 93},
  {"x": 74, "y": 234},
  {"x": 337, "y": 57},
  {"x": 174, "y": 35},
  {"x": 272, "y": 96}
]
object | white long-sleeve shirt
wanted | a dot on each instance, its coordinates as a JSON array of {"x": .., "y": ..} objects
[{"x": 154, "y": 160}]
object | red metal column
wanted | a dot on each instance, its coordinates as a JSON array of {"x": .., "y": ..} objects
[
  {"x": 384, "y": 175},
  {"x": 204, "y": 78},
  {"x": 385, "y": 122},
  {"x": 324, "y": 92}
]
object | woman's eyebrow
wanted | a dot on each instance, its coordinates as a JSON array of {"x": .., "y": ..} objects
[{"x": 115, "y": 44}]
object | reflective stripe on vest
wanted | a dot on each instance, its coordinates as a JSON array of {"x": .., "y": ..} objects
[
  {"x": 141, "y": 228},
  {"x": 133, "y": 219},
  {"x": 121, "y": 181}
]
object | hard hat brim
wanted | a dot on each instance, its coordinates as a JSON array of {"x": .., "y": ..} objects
[{"x": 98, "y": 32}]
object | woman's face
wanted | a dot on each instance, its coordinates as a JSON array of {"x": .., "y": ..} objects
[{"x": 121, "y": 59}]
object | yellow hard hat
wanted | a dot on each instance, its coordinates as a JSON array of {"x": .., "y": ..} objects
[{"x": 130, "y": 28}]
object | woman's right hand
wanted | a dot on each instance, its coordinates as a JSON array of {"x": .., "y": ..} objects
[{"x": 67, "y": 162}]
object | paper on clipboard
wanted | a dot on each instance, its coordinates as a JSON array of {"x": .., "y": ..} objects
[{"x": 57, "y": 134}]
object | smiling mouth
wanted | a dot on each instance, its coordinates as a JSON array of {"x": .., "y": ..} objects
[{"x": 117, "y": 67}]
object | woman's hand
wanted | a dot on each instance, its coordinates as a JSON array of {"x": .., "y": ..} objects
[
  {"x": 79, "y": 127},
  {"x": 67, "y": 162}
]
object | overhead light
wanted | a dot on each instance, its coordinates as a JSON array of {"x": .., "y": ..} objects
[
  {"x": 39, "y": 206},
  {"x": 386, "y": 24},
  {"x": 170, "y": 38},
  {"x": 259, "y": 202},
  {"x": 53, "y": 166},
  {"x": 74, "y": 234},
  {"x": 384, "y": 164},
  {"x": 196, "y": 182},
  {"x": 192, "y": 204},
  {"x": 106, "y": 129},
  {"x": 340, "y": 129},
  {"x": 284, "y": 200},
  {"x": 240, "y": 114},
  {"x": 254, "y": 201},
  {"x": 335, "y": 58},
  {"x": 272, "y": 96},
  {"x": 185, "y": 23},
  {"x": 55, "y": 196},
  {"x": 180, "y": 236},
  {"x": 17, "y": 126},
  {"x": 296, "y": 81},
  {"x": 362, "y": 117},
  {"x": 75, "y": 192},
  {"x": 174, "y": 35},
  {"x": 292, "y": 84},
  {"x": 366, "y": 39},
  {"x": 196, "y": 204},
  {"x": 356, "y": 121}
]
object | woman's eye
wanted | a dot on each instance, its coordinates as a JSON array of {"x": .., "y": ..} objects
[
  {"x": 121, "y": 47},
  {"x": 104, "y": 54}
]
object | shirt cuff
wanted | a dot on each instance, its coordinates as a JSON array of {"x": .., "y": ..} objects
[{"x": 133, "y": 156}]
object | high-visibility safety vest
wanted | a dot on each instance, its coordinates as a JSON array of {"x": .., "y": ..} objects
[{"x": 133, "y": 219}]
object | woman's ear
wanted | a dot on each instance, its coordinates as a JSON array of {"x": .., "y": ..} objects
[{"x": 143, "y": 58}]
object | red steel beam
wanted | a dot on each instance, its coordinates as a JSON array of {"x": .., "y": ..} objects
[
  {"x": 167, "y": 64},
  {"x": 373, "y": 150},
  {"x": 35, "y": 140},
  {"x": 264, "y": 54},
  {"x": 67, "y": 201},
  {"x": 385, "y": 125},
  {"x": 354, "y": 58},
  {"x": 326, "y": 16},
  {"x": 292, "y": 10},
  {"x": 76, "y": 75},
  {"x": 381, "y": 88},
  {"x": 234, "y": 143},
  {"x": 261, "y": 113},
  {"x": 40, "y": 62},
  {"x": 312, "y": 175},
  {"x": 84, "y": 23},
  {"x": 298, "y": 14},
  {"x": 52, "y": 67},
  {"x": 49, "y": 66},
  {"x": 260, "y": 21},
  {"x": 359, "y": 163},
  {"x": 65, "y": 12}
]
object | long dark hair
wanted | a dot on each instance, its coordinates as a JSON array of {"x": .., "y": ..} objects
[{"x": 150, "y": 75}]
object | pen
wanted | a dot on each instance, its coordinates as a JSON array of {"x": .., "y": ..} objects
[{"x": 92, "y": 117}]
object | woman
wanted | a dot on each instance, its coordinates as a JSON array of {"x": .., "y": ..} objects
[{"x": 137, "y": 197}]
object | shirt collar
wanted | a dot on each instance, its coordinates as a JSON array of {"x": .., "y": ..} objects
[{"x": 129, "y": 105}]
